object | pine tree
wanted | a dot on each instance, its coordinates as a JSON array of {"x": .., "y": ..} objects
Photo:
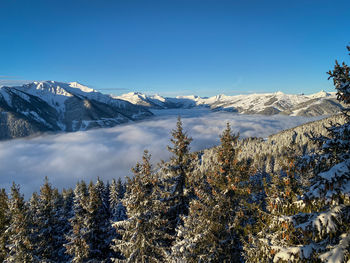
[
  {"x": 273, "y": 234},
  {"x": 89, "y": 240},
  {"x": 117, "y": 209},
  {"x": 48, "y": 236},
  {"x": 97, "y": 225},
  {"x": 76, "y": 244},
  {"x": 4, "y": 223},
  {"x": 116, "y": 194},
  {"x": 328, "y": 199},
  {"x": 143, "y": 234},
  {"x": 20, "y": 247},
  {"x": 103, "y": 227},
  {"x": 318, "y": 229},
  {"x": 66, "y": 214},
  {"x": 103, "y": 193},
  {"x": 217, "y": 216},
  {"x": 177, "y": 171}
]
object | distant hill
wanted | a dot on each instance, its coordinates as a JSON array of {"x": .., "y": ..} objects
[{"x": 266, "y": 154}]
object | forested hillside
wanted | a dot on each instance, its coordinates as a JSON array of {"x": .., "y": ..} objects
[{"x": 281, "y": 199}]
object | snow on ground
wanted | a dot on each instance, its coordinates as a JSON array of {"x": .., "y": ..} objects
[{"x": 110, "y": 153}]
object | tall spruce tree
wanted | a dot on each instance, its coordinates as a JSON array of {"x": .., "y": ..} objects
[
  {"x": 116, "y": 194},
  {"x": 101, "y": 216},
  {"x": 76, "y": 245},
  {"x": 47, "y": 229},
  {"x": 89, "y": 239},
  {"x": 213, "y": 228},
  {"x": 144, "y": 237},
  {"x": 20, "y": 247},
  {"x": 66, "y": 213},
  {"x": 4, "y": 223},
  {"x": 176, "y": 176},
  {"x": 97, "y": 226}
]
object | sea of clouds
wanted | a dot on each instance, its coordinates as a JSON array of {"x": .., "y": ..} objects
[{"x": 109, "y": 153}]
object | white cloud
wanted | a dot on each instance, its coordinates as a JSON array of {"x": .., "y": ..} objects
[
  {"x": 110, "y": 153},
  {"x": 5, "y": 81}
]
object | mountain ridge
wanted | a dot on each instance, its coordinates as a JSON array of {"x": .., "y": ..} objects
[
  {"x": 51, "y": 106},
  {"x": 321, "y": 103}
]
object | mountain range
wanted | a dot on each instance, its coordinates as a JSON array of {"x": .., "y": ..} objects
[
  {"x": 321, "y": 103},
  {"x": 51, "y": 106},
  {"x": 56, "y": 106}
]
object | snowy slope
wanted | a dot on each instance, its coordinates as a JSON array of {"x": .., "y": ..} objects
[
  {"x": 321, "y": 103},
  {"x": 57, "y": 106}
]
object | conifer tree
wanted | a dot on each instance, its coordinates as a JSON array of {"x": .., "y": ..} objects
[
  {"x": 116, "y": 194},
  {"x": 213, "y": 228},
  {"x": 103, "y": 193},
  {"x": 273, "y": 229},
  {"x": 143, "y": 234},
  {"x": 76, "y": 244},
  {"x": 20, "y": 247},
  {"x": 318, "y": 229},
  {"x": 48, "y": 236},
  {"x": 328, "y": 199},
  {"x": 4, "y": 223},
  {"x": 102, "y": 231},
  {"x": 68, "y": 202},
  {"x": 66, "y": 213},
  {"x": 177, "y": 172}
]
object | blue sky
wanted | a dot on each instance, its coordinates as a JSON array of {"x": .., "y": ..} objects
[{"x": 175, "y": 47}]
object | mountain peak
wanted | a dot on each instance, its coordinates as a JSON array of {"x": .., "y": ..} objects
[
  {"x": 56, "y": 87},
  {"x": 279, "y": 93},
  {"x": 320, "y": 94},
  {"x": 81, "y": 87}
]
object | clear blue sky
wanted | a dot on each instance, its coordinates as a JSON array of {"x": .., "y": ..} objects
[{"x": 172, "y": 47}]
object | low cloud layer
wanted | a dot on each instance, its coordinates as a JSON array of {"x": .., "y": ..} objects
[{"x": 110, "y": 153}]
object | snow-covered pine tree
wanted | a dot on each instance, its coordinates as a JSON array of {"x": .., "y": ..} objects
[
  {"x": 47, "y": 235},
  {"x": 89, "y": 240},
  {"x": 328, "y": 199},
  {"x": 214, "y": 226},
  {"x": 4, "y": 223},
  {"x": 117, "y": 209},
  {"x": 144, "y": 237},
  {"x": 101, "y": 216},
  {"x": 98, "y": 227},
  {"x": 175, "y": 174},
  {"x": 76, "y": 244},
  {"x": 20, "y": 247},
  {"x": 194, "y": 239},
  {"x": 320, "y": 228},
  {"x": 65, "y": 214},
  {"x": 116, "y": 194},
  {"x": 272, "y": 229},
  {"x": 103, "y": 193},
  {"x": 68, "y": 203}
]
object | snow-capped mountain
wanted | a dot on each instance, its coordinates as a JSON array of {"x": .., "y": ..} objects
[
  {"x": 321, "y": 103},
  {"x": 57, "y": 106}
]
